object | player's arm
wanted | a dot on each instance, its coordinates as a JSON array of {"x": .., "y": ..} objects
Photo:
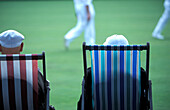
[{"x": 88, "y": 12}]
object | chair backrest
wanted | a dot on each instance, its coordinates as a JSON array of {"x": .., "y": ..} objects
[
  {"x": 116, "y": 76},
  {"x": 19, "y": 81}
]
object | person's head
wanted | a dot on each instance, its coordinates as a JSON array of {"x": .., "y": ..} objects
[
  {"x": 11, "y": 42},
  {"x": 116, "y": 40}
]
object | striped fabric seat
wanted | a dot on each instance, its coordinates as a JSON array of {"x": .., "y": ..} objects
[
  {"x": 116, "y": 79},
  {"x": 18, "y": 82}
]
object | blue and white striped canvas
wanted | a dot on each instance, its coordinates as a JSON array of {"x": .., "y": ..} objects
[{"x": 116, "y": 81}]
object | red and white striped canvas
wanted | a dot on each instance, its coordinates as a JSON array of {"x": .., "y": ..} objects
[{"x": 18, "y": 83}]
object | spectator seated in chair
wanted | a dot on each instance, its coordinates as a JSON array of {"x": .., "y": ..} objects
[
  {"x": 112, "y": 40},
  {"x": 11, "y": 42}
]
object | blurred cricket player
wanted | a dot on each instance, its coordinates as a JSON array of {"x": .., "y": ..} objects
[
  {"x": 85, "y": 22},
  {"x": 162, "y": 21}
]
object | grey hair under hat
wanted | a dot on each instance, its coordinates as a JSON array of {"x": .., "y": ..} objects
[
  {"x": 11, "y": 39},
  {"x": 116, "y": 40}
]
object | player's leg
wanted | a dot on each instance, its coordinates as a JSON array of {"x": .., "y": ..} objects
[
  {"x": 78, "y": 29},
  {"x": 161, "y": 24}
]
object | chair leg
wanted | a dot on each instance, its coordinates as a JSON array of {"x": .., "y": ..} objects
[
  {"x": 48, "y": 91},
  {"x": 82, "y": 103},
  {"x": 150, "y": 95}
]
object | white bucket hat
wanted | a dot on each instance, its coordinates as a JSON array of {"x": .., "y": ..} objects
[
  {"x": 116, "y": 40},
  {"x": 11, "y": 39}
]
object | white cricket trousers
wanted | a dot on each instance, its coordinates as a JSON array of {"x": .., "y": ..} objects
[
  {"x": 83, "y": 25},
  {"x": 164, "y": 19}
]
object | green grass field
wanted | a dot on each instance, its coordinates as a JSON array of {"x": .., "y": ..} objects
[{"x": 44, "y": 24}]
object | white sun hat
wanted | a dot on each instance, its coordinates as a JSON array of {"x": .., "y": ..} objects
[
  {"x": 11, "y": 39},
  {"x": 116, "y": 40}
]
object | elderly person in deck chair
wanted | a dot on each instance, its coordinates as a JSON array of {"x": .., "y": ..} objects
[
  {"x": 11, "y": 42},
  {"x": 112, "y": 40}
]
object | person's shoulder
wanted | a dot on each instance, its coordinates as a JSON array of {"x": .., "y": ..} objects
[{"x": 142, "y": 70}]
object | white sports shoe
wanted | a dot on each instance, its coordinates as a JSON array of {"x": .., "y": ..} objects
[
  {"x": 158, "y": 36},
  {"x": 67, "y": 43}
]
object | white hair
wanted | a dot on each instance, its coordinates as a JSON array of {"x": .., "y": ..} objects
[{"x": 116, "y": 40}]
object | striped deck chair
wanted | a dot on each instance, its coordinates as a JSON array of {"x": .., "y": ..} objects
[
  {"x": 19, "y": 81},
  {"x": 116, "y": 77}
]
